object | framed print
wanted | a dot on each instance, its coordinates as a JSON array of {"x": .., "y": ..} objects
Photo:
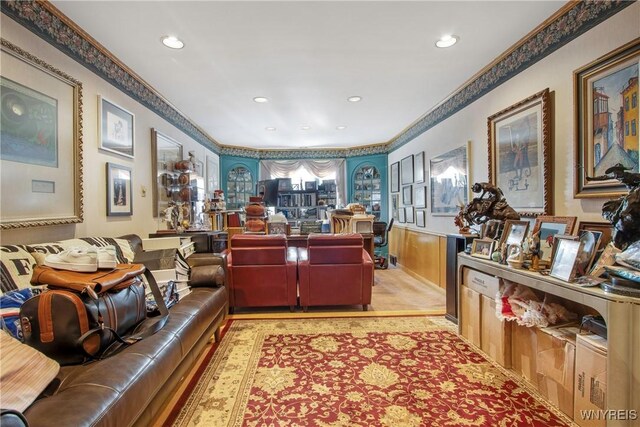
[
  {"x": 213, "y": 174},
  {"x": 548, "y": 227},
  {"x": 418, "y": 167},
  {"x": 408, "y": 214},
  {"x": 449, "y": 181},
  {"x": 165, "y": 152},
  {"x": 119, "y": 198},
  {"x": 395, "y": 203},
  {"x": 420, "y": 198},
  {"x": 395, "y": 177},
  {"x": 407, "y": 195},
  {"x": 606, "y": 120},
  {"x": 41, "y": 150},
  {"x": 406, "y": 170},
  {"x": 482, "y": 248},
  {"x": 520, "y": 154},
  {"x": 115, "y": 128},
  {"x": 564, "y": 260},
  {"x": 605, "y": 228},
  {"x": 420, "y": 218},
  {"x": 514, "y": 232},
  {"x": 401, "y": 215}
]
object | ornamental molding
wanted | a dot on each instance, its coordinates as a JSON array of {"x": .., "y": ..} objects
[{"x": 571, "y": 21}]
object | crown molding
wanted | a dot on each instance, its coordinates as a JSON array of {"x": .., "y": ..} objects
[{"x": 572, "y": 20}]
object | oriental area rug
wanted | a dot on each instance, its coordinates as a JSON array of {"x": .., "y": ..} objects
[{"x": 343, "y": 372}]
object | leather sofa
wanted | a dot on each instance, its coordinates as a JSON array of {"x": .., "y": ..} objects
[
  {"x": 335, "y": 270},
  {"x": 261, "y": 271},
  {"x": 133, "y": 386}
]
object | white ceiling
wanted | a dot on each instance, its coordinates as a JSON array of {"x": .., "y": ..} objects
[{"x": 307, "y": 57}]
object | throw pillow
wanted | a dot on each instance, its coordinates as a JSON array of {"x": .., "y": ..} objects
[
  {"x": 16, "y": 265},
  {"x": 10, "y": 304},
  {"x": 24, "y": 373},
  {"x": 124, "y": 253}
]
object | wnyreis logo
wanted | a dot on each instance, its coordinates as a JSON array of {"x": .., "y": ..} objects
[{"x": 609, "y": 414}]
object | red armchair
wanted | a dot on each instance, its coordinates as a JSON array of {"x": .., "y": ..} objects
[
  {"x": 335, "y": 269},
  {"x": 261, "y": 272}
]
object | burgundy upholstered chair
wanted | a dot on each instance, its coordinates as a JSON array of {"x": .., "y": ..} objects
[
  {"x": 261, "y": 272},
  {"x": 335, "y": 269}
]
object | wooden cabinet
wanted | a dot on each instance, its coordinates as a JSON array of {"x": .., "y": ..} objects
[{"x": 618, "y": 355}]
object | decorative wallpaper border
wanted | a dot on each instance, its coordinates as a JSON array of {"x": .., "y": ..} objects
[{"x": 44, "y": 20}]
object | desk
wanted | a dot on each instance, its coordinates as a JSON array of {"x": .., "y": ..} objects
[{"x": 300, "y": 241}]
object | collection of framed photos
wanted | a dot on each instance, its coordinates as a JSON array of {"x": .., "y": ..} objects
[
  {"x": 447, "y": 187},
  {"x": 562, "y": 253}
]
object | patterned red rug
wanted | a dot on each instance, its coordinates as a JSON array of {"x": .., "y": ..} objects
[{"x": 394, "y": 372}]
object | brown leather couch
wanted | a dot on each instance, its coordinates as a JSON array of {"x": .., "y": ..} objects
[
  {"x": 261, "y": 271},
  {"x": 335, "y": 269},
  {"x": 133, "y": 386}
]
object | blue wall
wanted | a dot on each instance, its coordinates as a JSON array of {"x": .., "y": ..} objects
[
  {"x": 380, "y": 162},
  {"x": 229, "y": 162}
]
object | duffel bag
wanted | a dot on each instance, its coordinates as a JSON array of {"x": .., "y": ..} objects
[{"x": 73, "y": 324}]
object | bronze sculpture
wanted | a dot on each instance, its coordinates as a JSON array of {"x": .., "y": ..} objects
[{"x": 481, "y": 208}]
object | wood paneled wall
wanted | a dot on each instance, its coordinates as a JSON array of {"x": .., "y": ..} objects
[{"x": 421, "y": 254}]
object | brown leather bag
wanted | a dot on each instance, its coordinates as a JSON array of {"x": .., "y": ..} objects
[{"x": 89, "y": 315}]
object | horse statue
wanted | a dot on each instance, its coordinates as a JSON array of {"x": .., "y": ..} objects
[{"x": 491, "y": 204}]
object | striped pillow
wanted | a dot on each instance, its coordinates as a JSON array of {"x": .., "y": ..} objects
[
  {"x": 16, "y": 268},
  {"x": 24, "y": 373},
  {"x": 124, "y": 253}
]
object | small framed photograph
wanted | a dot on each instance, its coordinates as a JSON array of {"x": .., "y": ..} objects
[
  {"x": 408, "y": 213},
  {"x": 406, "y": 166},
  {"x": 492, "y": 229},
  {"x": 119, "y": 186},
  {"x": 115, "y": 128},
  {"x": 590, "y": 242},
  {"x": 395, "y": 177},
  {"x": 514, "y": 232},
  {"x": 407, "y": 191},
  {"x": 277, "y": 228},
  {"x": 548, "y": 227},
  {"x": 401, "y": 216},
  {"x": 482, "y": 248},
  {"x": 418, "y": 167},
  {"x": 420, "y": 218},
  {"x": 420, "y": 200},
  {"x": 604, "y": 228},
  {"x": 565, "y": 258}
]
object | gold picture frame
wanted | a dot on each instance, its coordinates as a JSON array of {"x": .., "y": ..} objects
[{"x": 49, "y": 191}]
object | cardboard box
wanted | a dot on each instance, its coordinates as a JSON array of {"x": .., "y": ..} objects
[
  {"x": 590, "y": 378},
  {"x": 524, "y": 345},
  {"x": 495, "y": 335},
  {"x": 555, "y": 366},
  {"x": 470, "y": 315},
  {"x": 481, "y": 282}
]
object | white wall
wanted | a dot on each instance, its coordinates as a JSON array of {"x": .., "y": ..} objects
[
  {"x": 555, "y": 72},
  {"x": 96, "y": 223}
]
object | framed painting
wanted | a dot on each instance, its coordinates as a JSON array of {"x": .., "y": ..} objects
[
  {"x": 395, "y": 177},
  {"x": 420, "y": 197},
  {"x": 520, "y": 154},
  {"x": 406, "y": 170},
  {"x": 115, "y": 128},
  {"x": 408, "y": 214},
  {"x": 420, "y": 218},
  {"x": 547, "y": 228},
  {"x": 606, "y": 120},
  {"x": 449, "y": 181},
  {"x": 407, "y": 195},
  {"x": 418, "y": 167},
  {"x": 165, "y": 152},
  {"x": 401, "y": 215},
  {"x": 41, "y": 150},
  {"x": 119, "y": 185}
]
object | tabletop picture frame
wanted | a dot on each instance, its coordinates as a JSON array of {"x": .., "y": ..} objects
[
  {"x": 605, "y": 228},
  {"x": 547, "y": 227},
  {"x": 564, "y": 264},
  {"x": 520, "y": 154},
  {"x": 605, "y": 83},
  {"x": 482, "y": 248},
  {"x": 119, "y": 190},
  {"x": 47, "y": 151},
  {"x": 116, "y": 128},
  {"x": 514, "y": 232}
]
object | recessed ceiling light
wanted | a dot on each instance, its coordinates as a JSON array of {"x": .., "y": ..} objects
[
  {"x": 260, "y": 99},
  {"x": 447, "y": 41},
  {"x": 270, "y": 128},
  {"x": 341, "y": 127},
  {"x": 354, "y": 99},
  {"x": 305, "y": 127},
  {"x": 173, "y": 42}
]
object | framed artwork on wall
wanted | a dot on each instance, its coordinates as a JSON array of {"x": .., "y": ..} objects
[
  {"x": 419, "y": 167},
  {"x": 420, "y": 200},
  {"x": 449, "y": 181},
  {"x": 165, "y": 152},
  {"x": 408, "y": 214},
  {"x": 401, "y": 215},
  {"x": 406, "y": 170},
  {"x": 606, "y": 121},
  {"x": 520, "y": 154},
  {"x": 407, "y": 196},
  {"x": 115, "y": 128},
  {"x": 395, "y": 177},
  {"x": 119, "y": 185},
  {"x": 395, "y": 204},
  {"x": 420, "y": 218},
  {"x": 41, "y": 150}
]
